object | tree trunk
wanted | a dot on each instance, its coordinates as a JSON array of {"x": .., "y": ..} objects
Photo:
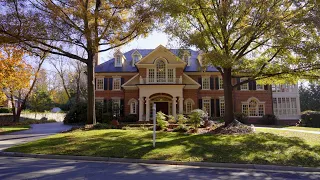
[
  {"x": 228, "y": 100},
  {"x": 13, "y": 108},
  {"x": 91, "y": 116}
]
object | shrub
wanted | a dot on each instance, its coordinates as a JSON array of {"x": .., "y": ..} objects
[
  {"x": 196, "y": 117},
  {"x": 131, "y": 118},
  {"x": 106, "y": 117},
  {"x": 161, "y": 122},
  {"x": 5, "y": 110},
  {"x": 241, "y": 117},
  {"x": 310, "y": 119},
  {"x": 269, "y": 119},
  {"x": 181, "y": 128},
  {"x": 182, "y": 119},
  {"x": 103, "y": 126},
  {"x": 77, "y": 114},
  {"x": 144, "y": 128},
  {"x": 171, "y": 119}
]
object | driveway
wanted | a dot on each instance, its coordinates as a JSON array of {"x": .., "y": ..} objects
[{"x": 37, "y": 131}]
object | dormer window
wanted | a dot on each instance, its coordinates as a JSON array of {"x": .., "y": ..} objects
[
  {"x": 117, "y": 62},
  {"x": 136, "y": 56},
  {"x": 186, "y": 57}
]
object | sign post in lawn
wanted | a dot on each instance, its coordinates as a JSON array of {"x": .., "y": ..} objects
[{"x": 154, "y": 124}]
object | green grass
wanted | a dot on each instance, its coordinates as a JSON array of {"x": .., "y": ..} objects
[
  {"x": 303, "y": 128},
  {"x": 308, "y": 138},
  {"x": 259, "y": 148},
  {"x": 10, "y": 129}
]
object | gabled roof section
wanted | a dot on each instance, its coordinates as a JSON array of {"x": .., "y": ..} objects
[{"x": 108, "y": 66}]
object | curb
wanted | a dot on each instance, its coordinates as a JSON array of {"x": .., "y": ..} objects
[{"x": 144, "y": 161}]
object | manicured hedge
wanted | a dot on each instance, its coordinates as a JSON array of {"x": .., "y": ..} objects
[{"x": 310, "y": 119}]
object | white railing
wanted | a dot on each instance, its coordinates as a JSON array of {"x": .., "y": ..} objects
[{"x": 160, "y": 80}]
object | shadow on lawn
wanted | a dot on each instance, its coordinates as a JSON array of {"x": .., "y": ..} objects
[{"x": 261, "y": 148}]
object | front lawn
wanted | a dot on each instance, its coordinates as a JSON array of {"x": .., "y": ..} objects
[
  {"x": 10, "y": 129},
  {"x": 303, "y": 128},
  {"x": 259, "y": 148}
]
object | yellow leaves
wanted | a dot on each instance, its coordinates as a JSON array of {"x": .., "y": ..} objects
[{"x": 15, "y": 73}]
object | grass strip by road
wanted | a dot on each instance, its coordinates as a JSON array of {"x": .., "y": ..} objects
[
  {"x": 303, "y": 128},
  {"x": 258, "y": 148},
  {"x": 10, "y": 129}
]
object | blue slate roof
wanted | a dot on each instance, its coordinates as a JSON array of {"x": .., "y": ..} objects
[{"x": 108, "y": 66}]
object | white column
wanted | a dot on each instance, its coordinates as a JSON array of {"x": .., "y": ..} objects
[
  {"x": 174, "y": 104},
  {"x": 147, "y": 108},
  {"x": 180, "y": 105},
  {"x": 141, "y": 105}
]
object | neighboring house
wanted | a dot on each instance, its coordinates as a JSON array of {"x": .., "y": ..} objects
[
  {"x": 177, "y": 83},
  {"x": 7, "y": 103}
]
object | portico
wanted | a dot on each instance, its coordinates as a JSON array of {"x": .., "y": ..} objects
[{"x": 168, "y": 98}]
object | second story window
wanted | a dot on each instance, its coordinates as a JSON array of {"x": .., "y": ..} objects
[
  {"x": 259, "y": 87},
  {"x": 116, "y": 83},
  {"x": 220, "y": 83},
  {"x": 244, "y": 86},
  {"x": 205, "y": 83},
  {"x": 99, "y": 83},
  {"x": 117, "y": 62},
  {"x": 161, "y": 71}
]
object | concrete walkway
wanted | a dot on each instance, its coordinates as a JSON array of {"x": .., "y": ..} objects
[
  {"x": 36, "y": 132},
  {"x": 294, "y": 130}
]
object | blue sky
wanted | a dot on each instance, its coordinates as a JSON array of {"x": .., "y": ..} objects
[{"x": 152, "y": 41}]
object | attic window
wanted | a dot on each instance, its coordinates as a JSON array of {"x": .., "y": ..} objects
[
  {"x": 186, "y": 58},
  {"x": 117, "y": 62},
  {"x": 136, "y": 58}
]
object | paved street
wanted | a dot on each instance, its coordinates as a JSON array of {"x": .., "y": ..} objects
[
  {"x": 31, "y": 168},
  {"x": 36, "y": 132}
]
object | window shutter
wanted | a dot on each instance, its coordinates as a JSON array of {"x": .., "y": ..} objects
[
  {"x": 212, "y": 107},
  {"x": 105, "y": 83},
  {"x": 250, "y": 85},
  {"x": 200, "y": 81},
  {"x": 254, "y": 85},
  {"x": 105, "y": 105},
  {"x": 122, "y": 81},
  {"x": 217, "y": 83},
  {"x": 122, "y": 107},
  {"x": 238, "y": 81},
  {"x": 217, "y": 107},
  {"x": 109, "y": 105},
  {"x": 95, "y": 83},
  {"x": 211, "y": 83},
  {"x": 266, "y": 87},
  {"x": 200, "y": 104},
  {"x": 110, "y": 83}
]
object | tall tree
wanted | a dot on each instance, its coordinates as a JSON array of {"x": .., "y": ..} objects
[
  {"x": 16, "y": 76},
  {"x": 59, "y": 27},
  {"x": 253, "y": 39}
]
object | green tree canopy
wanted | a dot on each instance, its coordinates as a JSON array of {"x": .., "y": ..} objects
[{"x": 266, "y": 41}]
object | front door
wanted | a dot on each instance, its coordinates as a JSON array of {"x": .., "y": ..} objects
[{"x": 162, "y": 106}]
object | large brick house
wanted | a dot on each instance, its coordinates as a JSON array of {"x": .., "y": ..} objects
[{"x": 176, "y": 82}]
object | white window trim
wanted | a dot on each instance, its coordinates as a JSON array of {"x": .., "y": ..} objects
[
  {"x": 247, "y": 84},
  {"x": 189, "y": 100},
  {"x": 220, "y": 80},
  {"x": 262, "y": 89},
  {"x": 116, "y": 63},
  {"x": 205, "y": 77},
  {"x": 207, "y": 98},
  {"x": 135, "y": 104},
  {"x": 220, "y": 102},
  {"x": 257, "y": 108},
  {"x": 97, "y": 79},
  {"x": 113, "y": 81}
]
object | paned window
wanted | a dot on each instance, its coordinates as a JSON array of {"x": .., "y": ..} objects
[
  {"x": 151, "y": 75},
  {"x": 244, "y": 86},
  {"x": 161, "y": 71},
  {"x": 170, "y": 75},
  {"x": 133, "y": 107},
  {"x": 206, "y": 105},
  {"x": 100, "y": 83},
  {"x": 116, "y": 83},
  {"x": 205, "y": 83},
  {"x": 116, "y": 107},
  {"x": 253, "y": 108},
  {"x": 220, "y": 83},
  {"x": 118, "y": 61},
  {"x": 222, "y": 107}
]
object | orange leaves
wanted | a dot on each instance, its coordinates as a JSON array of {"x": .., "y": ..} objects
[{"x": 15, "y": 73}]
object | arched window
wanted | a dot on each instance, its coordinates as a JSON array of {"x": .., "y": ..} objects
[
  {"x": 188, "y": 105},
  {"x": 253, "y": 107},
  {"x": 133, "y": 103},
  {"x": 161, "y": 71}
]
